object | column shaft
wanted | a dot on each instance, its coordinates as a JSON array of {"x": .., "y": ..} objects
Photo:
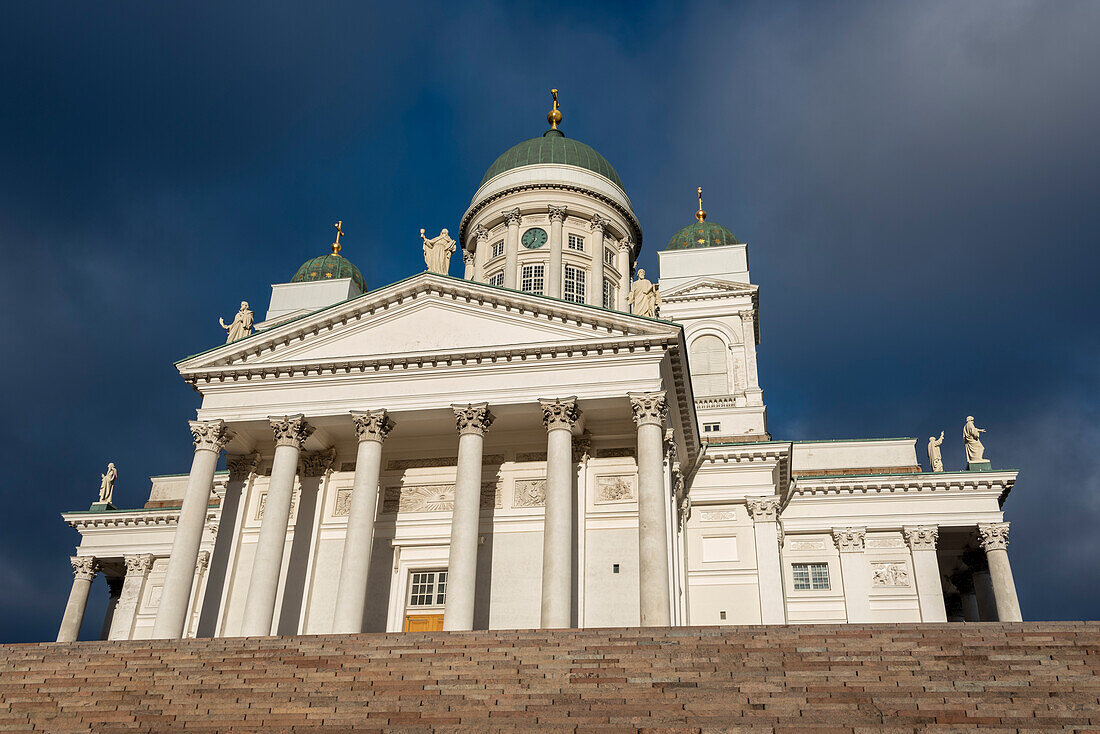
[
  {"x": 479, "y": 237},
  {"x": 594, "y": 296},
  {"x": 1004, "y": 588},
  {"x": 511, "y": 250},
  {"x": 84, "y": 570},
  {"x": 553, "y": 278},
  {"x": 351, "y": 594},
  {"x": 468, "y": 265},
  {"x": 653, "y": 589},
  {"x": 259, "y": 607},
  {"x": 983, "y": 595},
  {"x": 458, "y": 613},
  {"x": 210, "y": 438},
  {"x": 114, "y": 590}
]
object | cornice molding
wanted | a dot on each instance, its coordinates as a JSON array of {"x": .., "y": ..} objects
[
  {"x": 887, "y": 484},
  {"x": 128, "y": 518}
]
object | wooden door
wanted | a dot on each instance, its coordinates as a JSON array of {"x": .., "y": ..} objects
[{"x": 423, "y": 622}]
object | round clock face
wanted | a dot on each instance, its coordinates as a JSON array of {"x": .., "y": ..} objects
[{"x": 534, "y": 238}]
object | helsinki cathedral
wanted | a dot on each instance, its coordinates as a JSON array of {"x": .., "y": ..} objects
[{"x": 553, "y": 440}]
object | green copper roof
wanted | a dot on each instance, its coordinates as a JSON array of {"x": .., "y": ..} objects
[
  {"x": 329, "y": 266},
  {"x": 552, "y": 147},
  {"x": 702, "y": 234}
]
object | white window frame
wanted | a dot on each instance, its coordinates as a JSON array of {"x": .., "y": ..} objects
[
  {"x": 609, "y": 257},
  {"x": 608, "y": 293},
  {"x": 575, "y": 242},
  {"x": 575, "y": 284},
  {"x": 496, "y": 249},
  {"x": 432, "y": 582},
  {"x": 712, "y": 427},
  {"x": 812, "y": 581},
  {"x": 715, "y": 382},
  {"x": 532, "y": 278},
  {"x": 496, "y": 279}
]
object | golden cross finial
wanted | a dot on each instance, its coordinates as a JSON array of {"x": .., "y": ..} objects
[
  {"x": 554, "y": 116},
  {"x": 339, "y": 231},
  {"x": 700, "y": 215}
]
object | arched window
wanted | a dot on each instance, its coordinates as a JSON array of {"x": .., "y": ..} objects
[{"x": 709, "y": 374}]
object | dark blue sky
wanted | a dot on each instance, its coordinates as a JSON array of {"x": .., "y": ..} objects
[{"x": 918, "y": 184}]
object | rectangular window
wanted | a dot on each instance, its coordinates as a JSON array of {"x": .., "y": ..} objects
[
  {"x": 712, "y": 427},
  {"x": 811, "y": 576},
  {"x": 608, "y": 294},
  {"x": 609, "y": 257},
  {"x": 496, "y": 278},
  {"x": 576, "y": 242},
  {"x": 498, "y": 250},
  {"x": 574, "y": 284},
  {"x": 427, "y": 588},
  {"x": 532, "y": 277}
]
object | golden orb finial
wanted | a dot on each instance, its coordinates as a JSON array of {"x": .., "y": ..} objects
[
  {"x": 339, "y": 231},
  {"x": 554, "y": 116},
  {"x": 701, "y": 215}
]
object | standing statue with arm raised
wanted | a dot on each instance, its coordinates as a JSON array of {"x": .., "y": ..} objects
[
  {"x": 935, "y": 459},
  {"x": 438, "y": 251},
  {"x": 644, "y": 297},
  {"x": 975, "y": 451},
  {"x": 241, "y": 326}
]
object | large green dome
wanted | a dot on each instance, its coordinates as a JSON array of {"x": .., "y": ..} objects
[
  {"x": 328, "y": 267},
  {"x": 552, "y": 147},
  {"x": 702, "y": 234}
]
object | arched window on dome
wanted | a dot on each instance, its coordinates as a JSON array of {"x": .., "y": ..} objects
[{"x": 709, "y": 370}]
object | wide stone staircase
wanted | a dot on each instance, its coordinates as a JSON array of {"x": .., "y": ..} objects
[{"x": 897, "y": 678}]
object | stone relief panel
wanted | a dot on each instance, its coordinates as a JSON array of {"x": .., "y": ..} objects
[
  {"x": 717, "y": 515},
  {"x": 342, "y": 507},
  {"x": 614, "y": 453},
  {"x": 439, "y": 461},
  {"x": 293, "y": 502},
  {"x": 885, "y": 543},
  {"x": 817, "y": 544},
  {"x": 889, "y": 573},
  {"x": 614, "y": 488},
  {"x": 435, "y": 498},
  {"x": 529, "y": 493}
]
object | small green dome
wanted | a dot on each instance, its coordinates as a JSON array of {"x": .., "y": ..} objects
[
  {"x": 329, "y": 267},
  {"x": 552, "y": 147},
  {"x": 702, "y": 234}
]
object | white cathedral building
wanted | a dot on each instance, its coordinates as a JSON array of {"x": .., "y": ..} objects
[{"x": 517, "y": 449}]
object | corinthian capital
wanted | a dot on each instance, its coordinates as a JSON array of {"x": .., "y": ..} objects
[
  {"x": 242, "y": 467},
  {"x": 764, "y": 509},
  {"x": 994, "y": 536},
  {"x": 467, "y": 257},
  {"x": 290, "y": 430},
  {"x": 599, "y": 223},
  {"x": 317, "y": 463},
  {"x": 512, "y": 216},
  {"x": 480, "y": 232},
  {"x": 560, "y": 413},
  {"x": 849, "y": 540},
  {"x": 139, "y": 565},
  {"x": 649, "y": 408},
  {"x": 210, "y": 435},
  {"x": 625, "y": 244},
  {"x": 557, "y": 213},
  {"x": 473, "y": 418},
  {"x": 923, "y": 537},
  {"x": 372, "y": 425},
  {"x": 84, "y": 567}
]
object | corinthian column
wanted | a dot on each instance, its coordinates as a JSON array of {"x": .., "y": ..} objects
[
  {"x": 649, "y": 415},
  {"x": 765, "y": 521},
  {"x": 473, "y": 421},
  {"x": 553, "y": 278},
  {"x": 479, "y": 236},
  {"x": 259, "y": 607},
  {"x": 133, "y": 584},
  {"x": 995, "y": 544},
  {"x": 854, "y": 572},
  {"x": 623, "y": 265},
  {"x": 468, "y": 265},
  {"x": 559, "y": 416},
  {"x": 926, "y": 569},
  {"x": 210, "y": 438},
  {"x": 595, "y": 292},
  {"x": 84, "y": 570},
  {"x": 511, "y": 249},
  {"x": 351, "y": 595}
]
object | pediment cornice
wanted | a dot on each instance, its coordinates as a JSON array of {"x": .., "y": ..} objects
[{"x": 705, "y": 288}]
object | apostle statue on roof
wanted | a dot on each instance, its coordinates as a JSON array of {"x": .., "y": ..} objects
[
  {"x": 644, "y": 297},
  {"x": 975, "y": 451},
  {"x": 438, "y": 251},
  {"x": 935, "y": 459},
  {"x": 241, "y": 326},
  {"x": 107, "y": 484}
]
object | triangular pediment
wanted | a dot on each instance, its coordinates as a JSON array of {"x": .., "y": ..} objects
[
  {"x": 709, "y": 287},
  {"x": 425, "y": 315}
]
